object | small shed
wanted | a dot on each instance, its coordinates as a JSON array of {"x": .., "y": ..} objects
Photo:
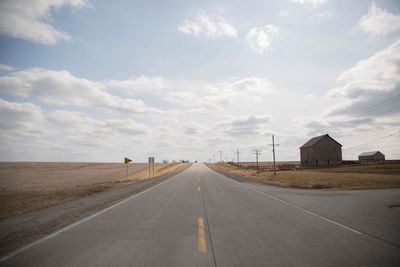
[
  {"x": 371, "y": 156},
  {"x": 321, "y": 150}
]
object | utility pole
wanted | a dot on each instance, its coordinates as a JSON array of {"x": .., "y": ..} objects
[
  {"x": 220, "y": 154},
  {"x": 237, "y": 156},
  {"x": 273, "y": 152},
  {"x": 257, "y": 152}
]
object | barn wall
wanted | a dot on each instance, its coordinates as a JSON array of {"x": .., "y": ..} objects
[
  {"x": 305, "y": 156},
  {"x": 325, "y": 152}
]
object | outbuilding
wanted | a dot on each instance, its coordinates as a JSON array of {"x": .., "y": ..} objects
[
  {"x": 371, "y": 156},
  {"x": 321, "y": 151}
]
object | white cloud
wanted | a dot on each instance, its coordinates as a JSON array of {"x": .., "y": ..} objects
[
  {"x": 378, "y": 74},
  {"x": 338, "y": 125},
  {"x": 379, "y": 22},
  {"x": 372, "y": 87},
  {"x": 179, "y": 115},
  {"x": 211, "y": 27},
  {"x": 251, "y": 85},
  {"x": 17, "y": 117},
  {"x": 218, "y": 142},
  {"x": 323, "y": 15},
  {"x": 310, "y": 3},
  {"x": 164, "y": 95},
  {"x": 260, "y": 39},
  {"x": 28, "y": 123},
  {"x": 30, "y": 19},
  {"x": 138, "y": 85},
  {"x": 80, "y": 122},
  {"x": 28, "y": 118},
  {"x": 62, "y": 88},
  {"x": 283, "y": 13},
  {"x": 218, "y": 95},
  {"x": 244, "y": 126},
  {"x": 192, "y": 128},
  {"x": 125, "y": 126},
  {"x": 6, "y": 68}
]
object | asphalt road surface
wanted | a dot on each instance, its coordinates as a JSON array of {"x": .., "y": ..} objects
[{"x": 201, "y": 218}]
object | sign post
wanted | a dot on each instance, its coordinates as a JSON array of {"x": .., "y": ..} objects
[
  {"x": 126, "y": 161},
  {"x": 151, "y": 165}
]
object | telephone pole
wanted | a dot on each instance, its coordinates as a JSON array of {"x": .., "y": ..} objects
[
  {"x": 220, "y": 154},
  {"x": 273, "y": 152},
  {"x": 257, "y": 152},
  {"x": 237, "y": 156}
]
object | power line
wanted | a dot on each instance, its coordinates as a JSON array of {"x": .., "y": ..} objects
[
  {"x": 375, "y": 140},
  {"x": 387, "y": 111},
  {"x": 380, "y": 112},
  {"x": 377, "y": 105}
]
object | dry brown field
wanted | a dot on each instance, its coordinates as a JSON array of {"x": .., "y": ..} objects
[{"x": 27, "y": 186}]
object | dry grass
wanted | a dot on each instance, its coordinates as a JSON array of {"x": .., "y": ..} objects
[
  {"x": 270, "y": 163},
  {"x": 338, "y": 178},
  {"x": 26, "y": 187},
  {"x": 158, "y": 171}
]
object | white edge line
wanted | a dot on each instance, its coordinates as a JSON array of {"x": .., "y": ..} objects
[
  {"x": 305, "y": 210},
  {"x": 294, "y": 206},
  {"x": 12, "y": 254}
]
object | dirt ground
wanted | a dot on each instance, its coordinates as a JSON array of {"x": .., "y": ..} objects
[
  {"x": 368, "y": 177},
  {"x": 29, "y": 186}
]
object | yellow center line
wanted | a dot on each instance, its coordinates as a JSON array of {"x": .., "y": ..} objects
[
  {"x": 201, "y": 235},
  {"x": 198, "y": 184}
]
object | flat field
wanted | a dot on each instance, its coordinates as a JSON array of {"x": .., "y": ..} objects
[
  {"x": 27, "y": 186},
  {"x": 270, "y": 163},
  {"x": 357, "y": 177}
]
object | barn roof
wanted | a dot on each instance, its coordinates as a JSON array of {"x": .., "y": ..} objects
[
  {"x": 371, "y": 153},
  {"x": 316, "y": 139}
]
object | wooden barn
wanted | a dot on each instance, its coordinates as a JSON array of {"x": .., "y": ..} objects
[
  {"x": 321, "y": 151},
  {"x": 371, "y": 156}
]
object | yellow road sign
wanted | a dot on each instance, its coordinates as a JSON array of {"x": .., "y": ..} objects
[{"x": 126, "y": 160}]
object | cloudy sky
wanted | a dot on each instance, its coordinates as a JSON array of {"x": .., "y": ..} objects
[{"x": 87, "y": 80}]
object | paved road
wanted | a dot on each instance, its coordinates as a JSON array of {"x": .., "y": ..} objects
[{"x": 201, "y": 218}]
